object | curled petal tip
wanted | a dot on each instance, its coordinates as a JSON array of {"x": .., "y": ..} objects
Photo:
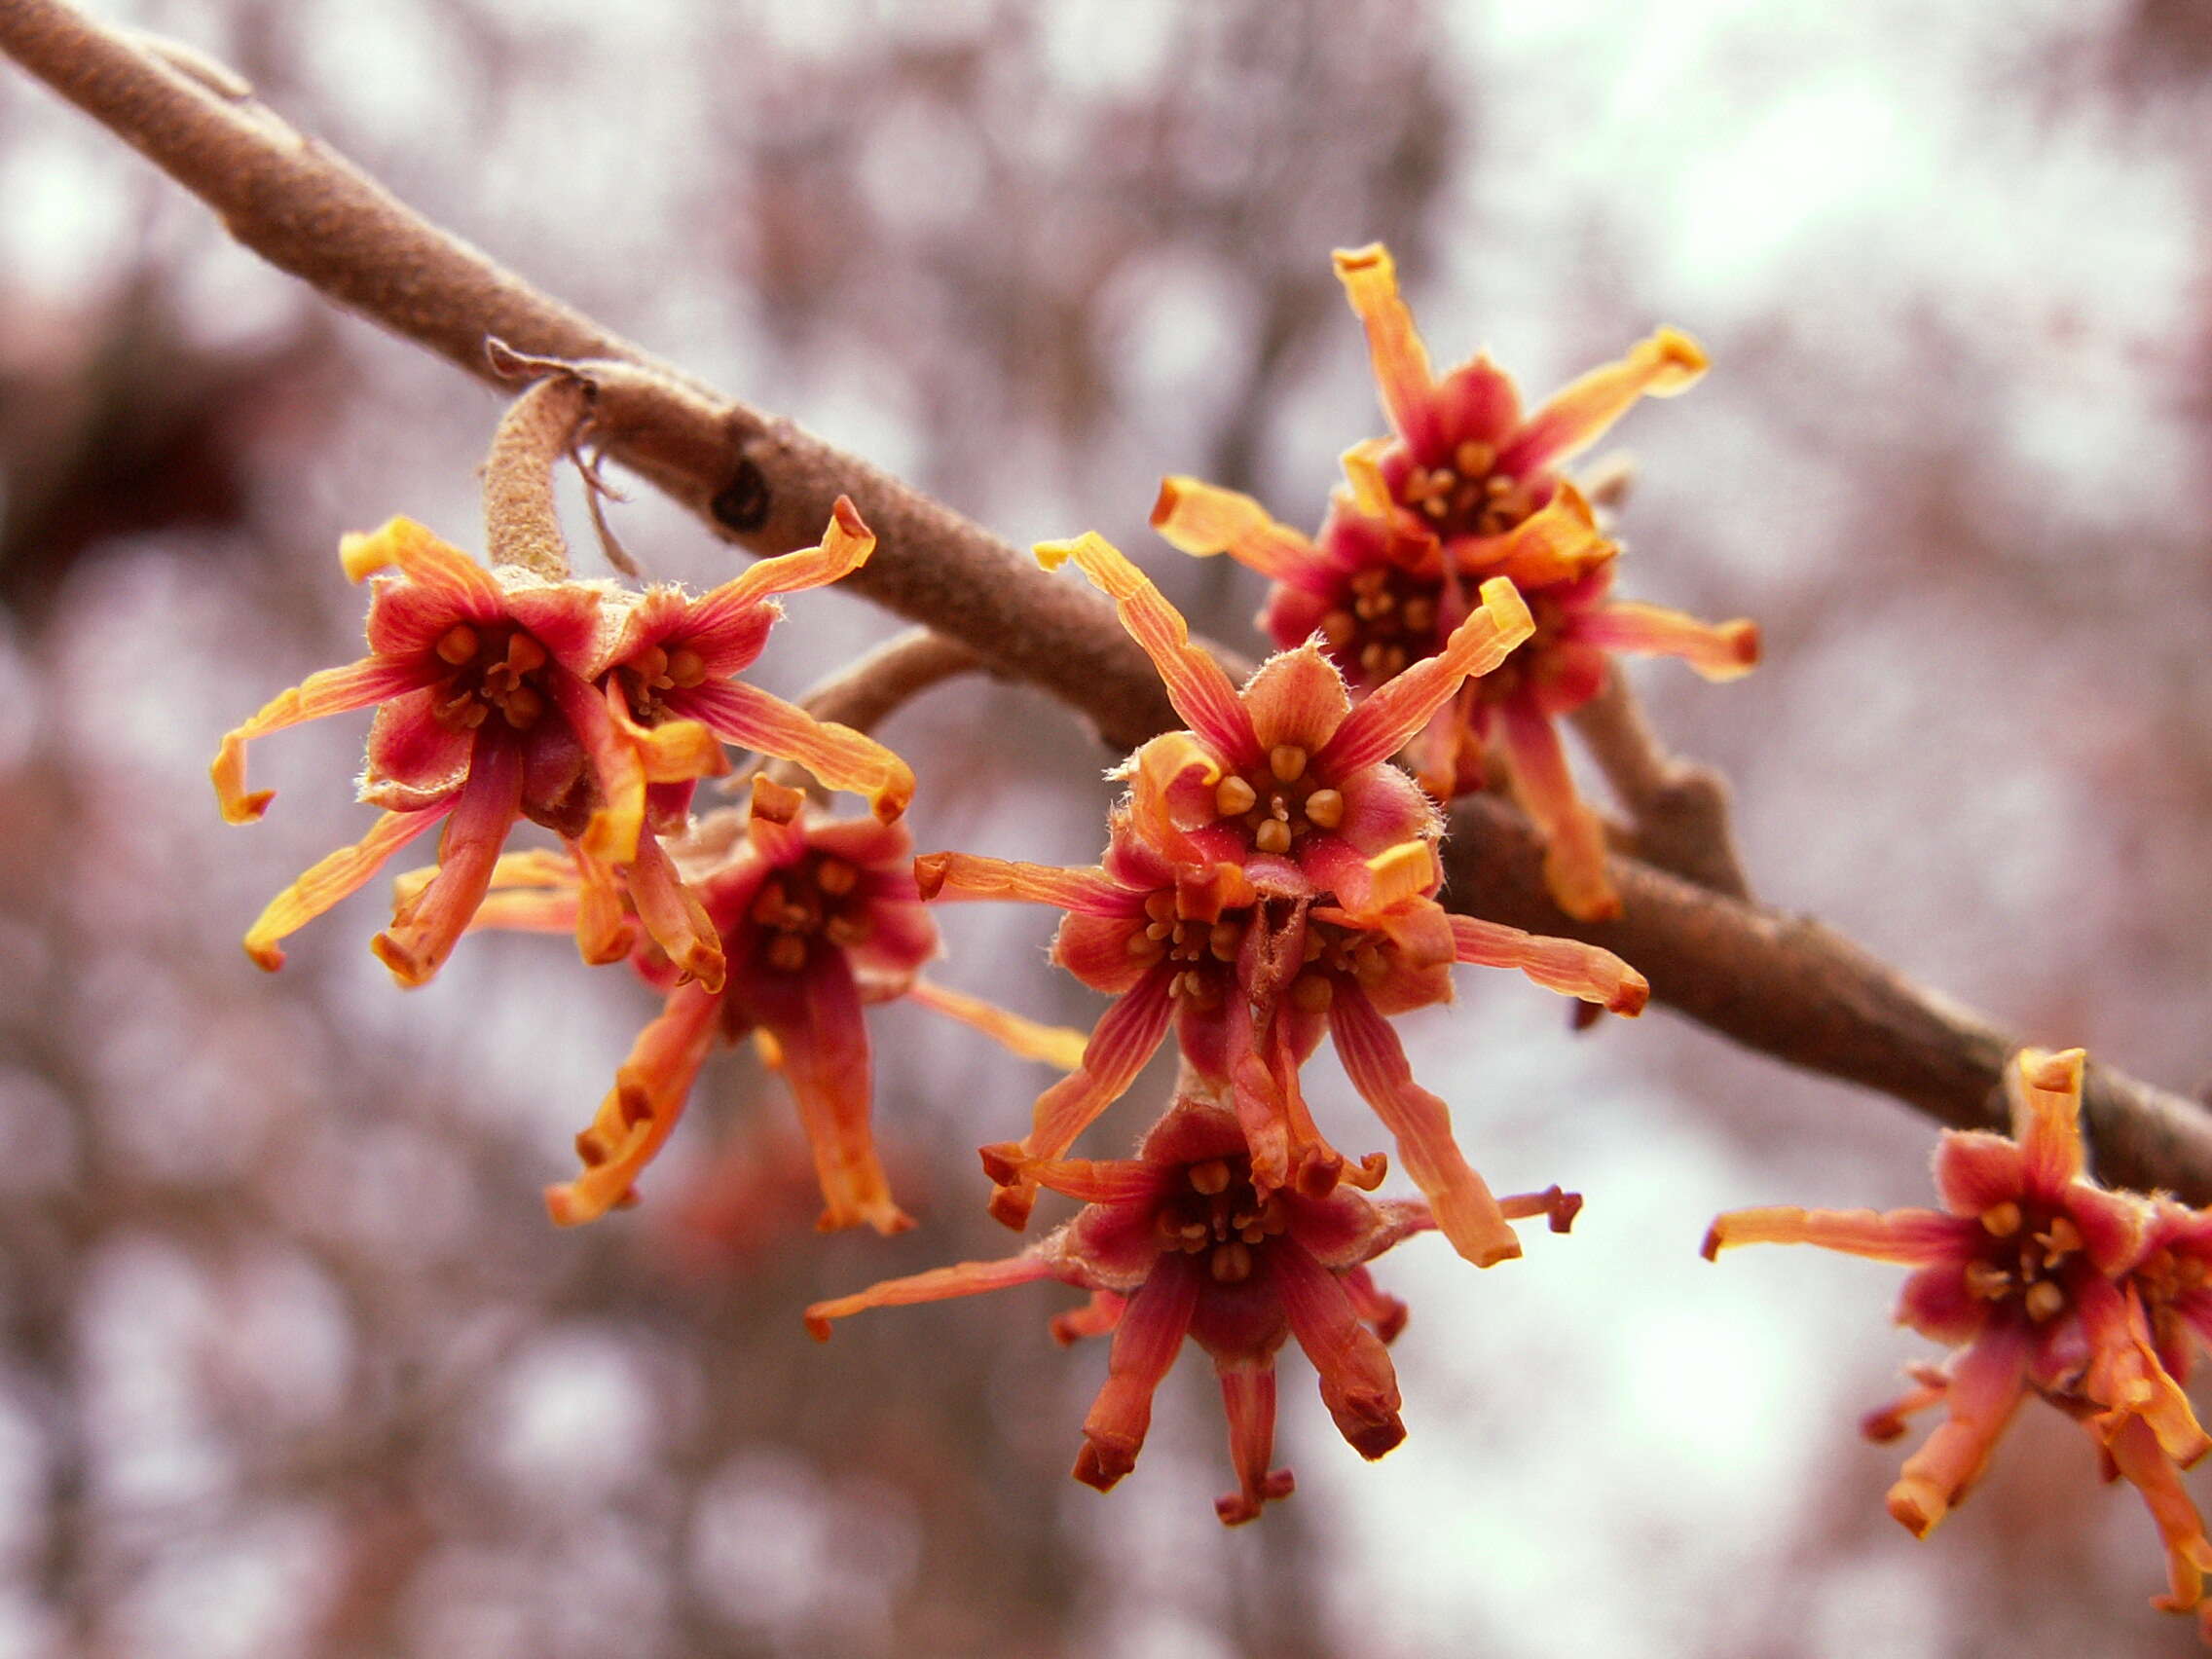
[
  {"x": 2059, "y": 1072},
  {"x": 895, "y": 793},
  {"x": 1166, "y": 504},
  {"x": 1101, "y": 1469},
  {"x": 1917, "y": 1506},
  {"x": 1679, "y": 359},
  {"x": 1716, "y": 1239},
  {"x": 407, "y": 966},
  {"x": 1564, "y": 1208},
  {"x": 776, "y": 802},
  {"x": 817, "y": 1326},
  {"x": 930, "y": 872},
  {"x": 847, "y": 518},
  {"x": 267, "y": 957},
  {"x": 1742, "y": 638},
  {"x": 1009, "y": 1206},
  {"x": 1051, "y": 555},
  {"x": 1351, "y": 261},
  {"x": 1630, "y": 999},
  {"x": 1507, "y": 608}
]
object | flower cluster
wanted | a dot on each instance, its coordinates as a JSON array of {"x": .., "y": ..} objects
[
  {"x": 593, "y": 710},
  {"x": 1469, "y": 488},
  {"x": 590, "y": 709},
  {"x": 1269, "y": 878},
  {"x": 2046, "y": 1283}
]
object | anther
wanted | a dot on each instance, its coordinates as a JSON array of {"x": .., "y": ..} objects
[
  {"x": 2003, "y": 1220},
  {"x": 1325, "y": 808},
  {"x": 1234, "y": 795},
  {"x": 1312, "y": 992},
  {"x": 686, "y": 668},
  {"x": 521, "y": 707},
  {"x": 651, "y": 666},
  {"x": 1338, "y": 627},
  {"x": 770, "y": 904},
  {"x": 458, "y": 643},
  {"x": 1211, "y": 1176},
  {"x": 1287, "y": 762},
  {"x": 1369, "y": 606},
  {"x": 1371, "y": 659},
  {"x": 1232, "y": 1263},
  {"x": 2061, "y": 1240},
  {"x": 1474, "y": 458},
  {"x": 1142, "y": 943},
  {"x": 2044, "y": 1301},
  {"x": 1273, "y": 836},
  {"x": 1436, "y": 506},
  {"x": 847, "y": 930},
  {"x": 835, "y": 877},
  {"x": 524, "y": 654},
  {"x": 1419, "y": 615},
  {"x": 1987, "y": 1281},
  {"x": 788, "y": 952},
  {"x": 1224, "y": 939}
]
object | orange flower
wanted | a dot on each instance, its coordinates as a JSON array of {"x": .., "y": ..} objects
[
  {"x": 1177, "y": 1243},
  {"x": 815, "y": 919},
  {"x": 2041, "y": 1279},
  {"x": 1469, "y": 488},
  {"x": 502, "y": 696},
  {"x": 1269, "y": 878}
]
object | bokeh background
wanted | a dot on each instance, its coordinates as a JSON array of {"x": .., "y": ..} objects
[{"x": 291, "y": 1361}]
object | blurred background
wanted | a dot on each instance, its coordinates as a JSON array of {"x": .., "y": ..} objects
[{"x": 291, "y": 1361}]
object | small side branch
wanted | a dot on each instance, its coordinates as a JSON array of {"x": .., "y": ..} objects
[
  {"x": 872, "y": 689},
  {"x": 1677, "y": 809}
]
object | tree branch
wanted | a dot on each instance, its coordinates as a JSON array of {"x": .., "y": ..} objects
[
  {"x": 1785, "y": 987},
  {"x": 754, "y": 478},
  {"x": 1795, "y": 989},
  {"x": 1677, "y": 809}
]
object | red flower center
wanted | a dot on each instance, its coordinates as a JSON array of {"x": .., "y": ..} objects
[
  {"x": 2026, "y": 1258},
  {"x": 655, "y": 671},
  {"x": 494, "y": 667},
  {"x": 1384, "y": 619},
  {"x": 815, "y": 899},
  {"x": 1222, "y": 1217},
  {"x": 1467, "y": 497},
  {"x": 1279, "y": 801}
]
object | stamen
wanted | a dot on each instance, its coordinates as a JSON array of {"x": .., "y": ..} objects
[
  {"x": 2061, "y": 1240},
  {"x": 847, "y": 930},
  {"x": 1312, "y": 992},
  {"x": 770, "y": 904},
  {"x": 1287, "y": 762},
  {"x": 1224, "y": 939},
  {"x": 521, "y": 707},
  {"x": 1338, "y": 627},
  {"x": 1987, "y": 1281},
  {"x": 2044, "y": 1301},
  {"x": 1273, "y": 836},
  {"x": 835, "y": 877},
  {"x": 687, "y": 668},
  {"x": 788, "y": 952},
  {"x": 2002, "y": 1220},
  {"x": 1232, "y": 797},
  {"x": 1142, "y": 943},
  {"x": 1211, "y": 1176},
  {"x": 1474, "y": 458},
  {"x": 1325, "y": 808},
  {"x": 1232, "y": 1263},
  {"x": 651, "y": 666},
  {"x": 458, "y": 643},
  {"x": 525, "y": 655},
  {"x": 1420, "y": 614}
]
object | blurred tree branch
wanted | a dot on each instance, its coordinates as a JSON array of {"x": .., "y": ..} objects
[{"x": 1787, "y": 986}]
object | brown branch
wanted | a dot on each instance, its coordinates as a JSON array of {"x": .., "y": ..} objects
[
  {"x": 1679, "y": 809},
  {"x": 1793, "y": 987},
  {"x": 754, "y": 478},
  {"x": 1787, "y": 986}
]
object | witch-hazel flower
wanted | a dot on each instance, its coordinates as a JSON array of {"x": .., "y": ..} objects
[
  {"x": 1177, "y": 1244},
  {"x": 1466, "y": 489},
  {"x": 2046, "y": 1283},
  {"x": 1269, "y": 878},
  {"x": 816, "y": 918},
  {"x": 503, "y": 696}
]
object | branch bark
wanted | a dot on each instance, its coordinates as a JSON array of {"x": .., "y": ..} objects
[
  {"x": 753, "y": 478},
  {"x": 1795, "y": 989},
  {"x": 1787, "y": 986}
]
